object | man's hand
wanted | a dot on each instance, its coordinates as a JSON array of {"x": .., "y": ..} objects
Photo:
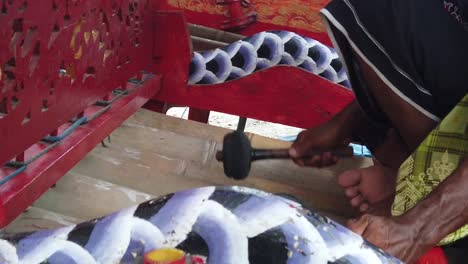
[
  {"x": 323, "y": 137},
  {"x": 335, "y": 133},
  {"x": 393, "y": 235}
]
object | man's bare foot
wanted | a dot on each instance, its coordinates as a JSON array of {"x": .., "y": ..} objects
[{"x": 371, "y": 189}]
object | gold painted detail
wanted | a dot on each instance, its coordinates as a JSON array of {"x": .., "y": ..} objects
[{"x": 300, "y": 14}]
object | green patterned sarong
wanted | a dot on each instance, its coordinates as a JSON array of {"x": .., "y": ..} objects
[{"x": 433, "y": 161}]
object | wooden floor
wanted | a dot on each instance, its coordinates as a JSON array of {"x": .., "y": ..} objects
[{"x": 153, "y": 154}]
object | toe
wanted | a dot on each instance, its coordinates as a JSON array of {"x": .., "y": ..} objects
[
  {"x": 349, "y": 178},
  {"x": 364, "y": 207},
  {"x": 357, "y": 201},
  {"x": 352, "y": 192}
]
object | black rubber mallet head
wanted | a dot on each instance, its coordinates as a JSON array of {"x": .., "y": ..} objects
[{"x": 237, "y": 154}]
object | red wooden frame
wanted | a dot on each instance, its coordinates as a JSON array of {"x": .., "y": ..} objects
[
  {"x": 61, "y": 67},
  {"x": 67, "y": 70},
  {"x": 281, "y": 94},
  {"x": 307, "y": 8},
  {"x": 56, "y": 67},
  {"x": 21, "y": 191}
]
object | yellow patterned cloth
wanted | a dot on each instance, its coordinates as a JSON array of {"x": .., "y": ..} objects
[{"x": 433, "y": 161}]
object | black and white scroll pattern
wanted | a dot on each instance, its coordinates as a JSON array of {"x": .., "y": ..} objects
[
  {"x": 264, "y": 50},
  {"x": 231, "y": 225}
]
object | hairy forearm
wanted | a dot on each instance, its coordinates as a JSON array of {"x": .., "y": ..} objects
[{"x": 444, "y": 210}]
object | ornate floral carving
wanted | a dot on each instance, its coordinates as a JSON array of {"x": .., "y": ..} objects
[{"x": 300, "y": 14}]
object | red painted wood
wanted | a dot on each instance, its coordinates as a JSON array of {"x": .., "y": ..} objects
[
  {"x": 54, "y": 132},
  {"x": 198, "y": 115},
  {"x": 281, "y": 94},
  {"x": 155, "y": 106},
  {"x": 20, "y": 157},
  {"x": 434, "y": 256},
  {"x": 20, "y": 192},
  {"x": 216, "y": 20},
  {"x": 100, "y": 55},
  {"x": 236, "y": 18},
  {"x": 100, "y": 44}
]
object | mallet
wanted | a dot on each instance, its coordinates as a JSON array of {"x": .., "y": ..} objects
[{"x": 238, "y": 154}]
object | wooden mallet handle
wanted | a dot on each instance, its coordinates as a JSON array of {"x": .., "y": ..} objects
[{"x": 259, "y": 154}]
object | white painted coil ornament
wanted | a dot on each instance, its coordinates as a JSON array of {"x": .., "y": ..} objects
[
  {"x": 265, "y": 50},
  {"x": 229, "y": 225}
]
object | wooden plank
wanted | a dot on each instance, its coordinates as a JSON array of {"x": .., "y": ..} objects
[
  {"x": 157, "y": 154},
  {"x": 214, "y": 34},
  {"x": 83, "y": 197},
  {"x": 35, "y": 218},
  {"x": 153, "y": 154}
]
